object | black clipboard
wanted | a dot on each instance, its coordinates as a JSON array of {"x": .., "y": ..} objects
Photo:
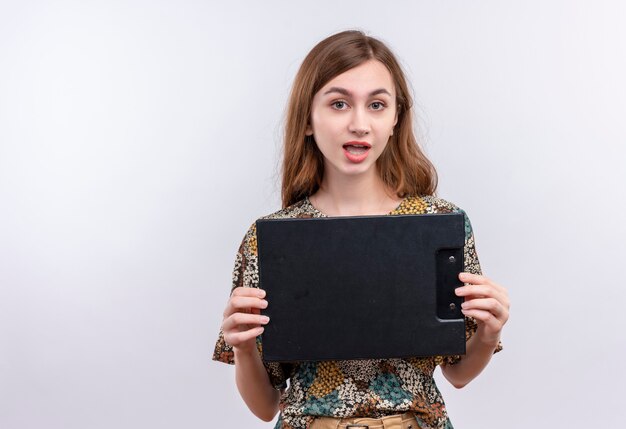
[{"x": 363, "y": 287}]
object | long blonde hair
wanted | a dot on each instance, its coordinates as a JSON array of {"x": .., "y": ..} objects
[{"x": 402, "y": 166}]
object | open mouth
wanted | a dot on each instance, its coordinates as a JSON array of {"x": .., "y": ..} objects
[
  {"x": 356, "y": 151},
  {"x": 356, "y": 148}
]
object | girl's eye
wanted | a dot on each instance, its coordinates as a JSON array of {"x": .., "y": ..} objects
[{"x": 342, "y": 105}]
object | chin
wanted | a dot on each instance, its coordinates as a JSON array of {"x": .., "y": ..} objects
[{"x": 357, "y": 170}]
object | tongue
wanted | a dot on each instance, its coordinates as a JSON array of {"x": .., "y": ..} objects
[{"x": 356, "y": 150}]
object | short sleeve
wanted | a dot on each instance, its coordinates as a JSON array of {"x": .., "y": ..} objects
[
  {"x": 471, "y": 265},
  {"x": 246, "y": 274}
]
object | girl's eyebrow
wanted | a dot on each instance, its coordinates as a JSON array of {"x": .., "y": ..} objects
[{"x": 349, "y": 94}]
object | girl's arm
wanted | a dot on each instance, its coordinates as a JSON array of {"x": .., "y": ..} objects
[
  {"x": 241, "y": 325},
  {"x": 488, "y": 303},
  {"x": 254, "y": 385}
]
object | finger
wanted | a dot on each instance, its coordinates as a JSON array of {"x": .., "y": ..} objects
[
  {"x": 248, "y": 291},
  {"x": 473, "y": 278},
  {"x": 487, "y": 304},
  {"x": 485, "y": 317},
  {"x": 481, "y": 291},
  {"x": 241, "y": 320},
  {"x": 477, "y": 290},
  {"x": 248, "y": 302},
  {"x": 480, "y": 279},
  {"x": 500, "y": 298},
  {"x": 236, "y": 338},
  {"x": 237, "y": 304}
]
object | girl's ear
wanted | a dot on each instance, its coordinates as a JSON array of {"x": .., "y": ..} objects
[{"x": 309, "y": 130}]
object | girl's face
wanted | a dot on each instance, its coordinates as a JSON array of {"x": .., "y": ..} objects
[{"x": 352, "y": 118}]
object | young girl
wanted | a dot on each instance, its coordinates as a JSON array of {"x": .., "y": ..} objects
[{"x": 350, "y": 150}]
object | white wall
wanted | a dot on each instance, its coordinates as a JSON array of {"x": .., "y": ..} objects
[{"x": 140, "y": 139}]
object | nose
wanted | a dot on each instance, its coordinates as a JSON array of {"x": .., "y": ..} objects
[{"x": 359, "y": 123}]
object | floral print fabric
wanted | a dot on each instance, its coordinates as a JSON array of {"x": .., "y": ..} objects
[{"x": 366, "y": 388}]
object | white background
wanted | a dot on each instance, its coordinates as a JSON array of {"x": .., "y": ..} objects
[{"x": 140, "y": 139}]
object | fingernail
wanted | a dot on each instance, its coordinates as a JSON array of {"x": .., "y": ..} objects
[
  {"x": 464, "y": 305},
  {"x": 265, "y": 319},
  {"x": 263, "y": 303},
  {"x": 261, "y": 293}
]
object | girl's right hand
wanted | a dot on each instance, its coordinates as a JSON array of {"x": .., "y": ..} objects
[{"x": 242, "y": 319}]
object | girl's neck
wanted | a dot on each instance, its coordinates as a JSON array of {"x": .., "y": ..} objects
[{"x": 361, "y": 195}]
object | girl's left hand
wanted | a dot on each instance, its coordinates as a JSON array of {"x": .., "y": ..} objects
[{"x": 487, "y": 302}]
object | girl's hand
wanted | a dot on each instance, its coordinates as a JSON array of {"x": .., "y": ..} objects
[
  {"x": 487, "y": 302},
  {"x": 242, "y": 319}
]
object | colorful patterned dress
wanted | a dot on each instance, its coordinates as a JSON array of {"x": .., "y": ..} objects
[{"x": 366, "y": 388}]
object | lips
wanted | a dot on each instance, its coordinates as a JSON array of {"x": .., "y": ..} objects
[
  {"x": 356, "y": 151},
  {"x": 357, "y": 144}
]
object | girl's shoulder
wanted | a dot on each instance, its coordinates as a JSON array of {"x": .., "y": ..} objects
[
  {"x": 439, "y": 205},
  {"x": 300, "y": 209},
  {"x": 426, "y": 204}
]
